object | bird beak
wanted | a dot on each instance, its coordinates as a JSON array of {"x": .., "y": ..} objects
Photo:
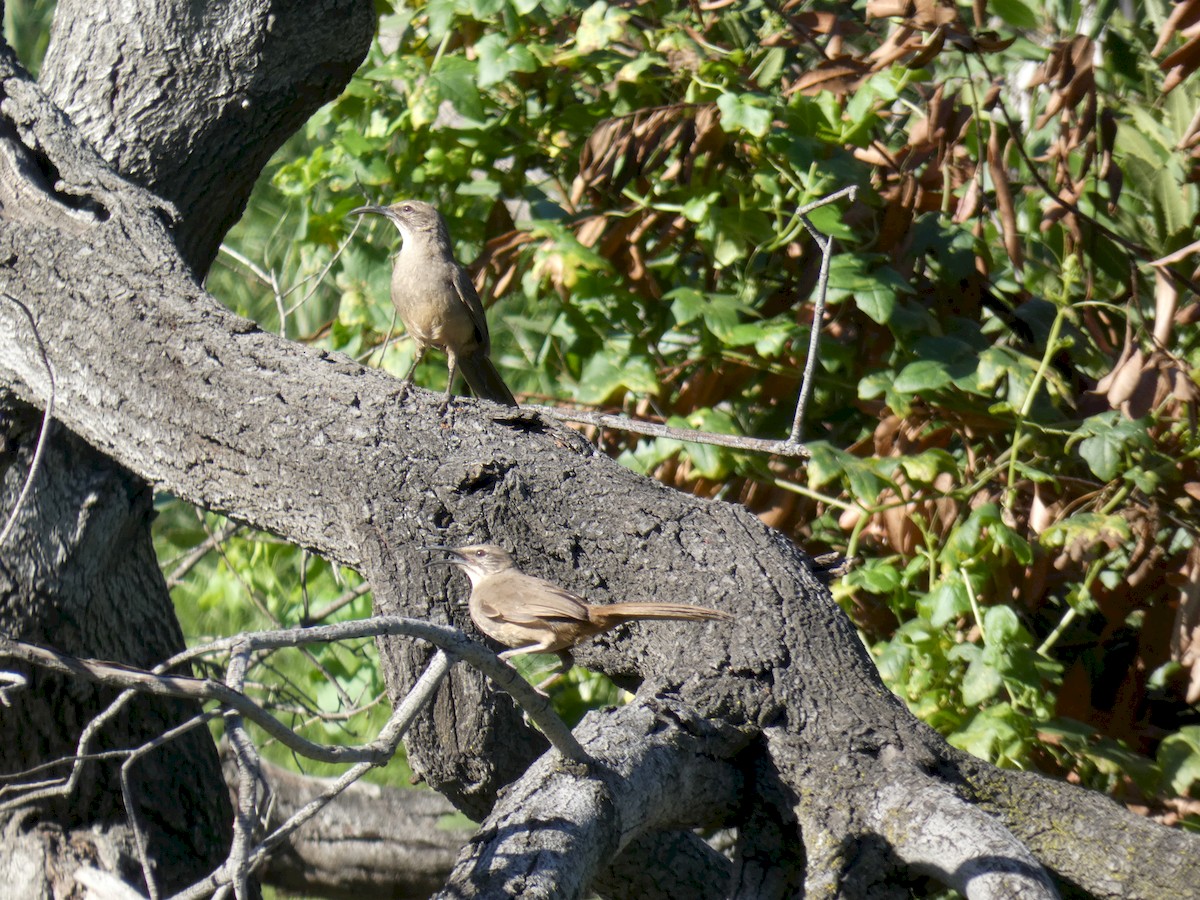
[
  {"x": 456, "y": 561},
  {"x": 362, "y": 210}
]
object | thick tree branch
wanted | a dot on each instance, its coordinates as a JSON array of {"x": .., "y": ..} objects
[
  {"x": 317, "y": 449},
  {"x": 227, "y": 84},
  {"x": 656, "y": 767}
]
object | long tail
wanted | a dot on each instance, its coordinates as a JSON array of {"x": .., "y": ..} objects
[
  {"x": 484, "y": 380},
  {"x": 615, "y": 613}
]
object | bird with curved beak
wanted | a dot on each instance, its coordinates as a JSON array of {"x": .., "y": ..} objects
[
  {"x": 532, "y": 615},
  {"x": 437, "y": 302}
]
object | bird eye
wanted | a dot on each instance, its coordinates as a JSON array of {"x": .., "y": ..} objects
[
  {"x": 406, "y": 208},
  {"x": 481, "y": 552}
]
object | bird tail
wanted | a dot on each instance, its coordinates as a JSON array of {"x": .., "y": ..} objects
[
  {"x": 611, "y": 614},
  {"x": 484, "y": 380}
]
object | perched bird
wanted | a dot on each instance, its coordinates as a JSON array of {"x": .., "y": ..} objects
[
  {"x": 437, "y": 302},
  {"x": 532, "y": 615}
]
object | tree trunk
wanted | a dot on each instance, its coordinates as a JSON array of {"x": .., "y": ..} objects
[
  {"x": 78, "y": 571},
  {"x": 777, "y": 724}
]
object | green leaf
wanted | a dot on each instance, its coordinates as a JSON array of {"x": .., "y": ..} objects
[
  {"x": 980, "y": 683},
  {"x": 927, "y": 465},
  {"x": 455, "y": 80},
  {"x": 1001, "y": 625},
  {"x": 708, "y": 460},
  {"x": 1015, "y": 13},
  {"x": 1107, "y": 438},
  {"x": 947, "y": 602},
  {"x": 874, "y": 289},
  {"x": 750, "y": 113},
  {"x": 599, "y": 26},
  {"x": 876, "y": 576},
  {"x": 923, "y": 375},
  {"x": 1179, "y": 756},
  {"x": 498, "y": 59},
  {"x": 604, "y": 375}
]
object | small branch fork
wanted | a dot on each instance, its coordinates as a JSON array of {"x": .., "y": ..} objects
[
  {"x": 788, "y": 447},
  {"x": 250, "y": 847}
]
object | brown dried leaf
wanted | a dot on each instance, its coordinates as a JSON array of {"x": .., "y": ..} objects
[
  {"x": 1125, "y": 378},
  {"x": 838, "y": 76},
  {"x": 889, "y": 9},
  {"x": 1166, "y": 301},
  {"x": 1005, "y": 206},
  {"x": 1180, "y": 64},
  {"x": 1183, "y": 18}
]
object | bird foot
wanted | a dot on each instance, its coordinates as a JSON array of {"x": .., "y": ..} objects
[{"x": 542, "y": 686}]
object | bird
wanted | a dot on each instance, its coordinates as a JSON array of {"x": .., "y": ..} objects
[
  {"x": 437, "y": 302},
  {"x": 532, "y": 615}
]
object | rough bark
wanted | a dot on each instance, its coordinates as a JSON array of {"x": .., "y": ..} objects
[
  {"x": 191, "y": 99},
  {"x": 78, "y": 572},
  {"x": 315, "y": 448}
]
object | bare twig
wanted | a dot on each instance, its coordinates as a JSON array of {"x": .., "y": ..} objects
[
  {"x": 132, "y": 809},
  {"x": 204, "y": 689},
  {"x": 810, "y": 363},
  {"x": 391, "y": 734},
  {"x": 654, "y": 429},
  {"x": 201, "y": 550},
  {"x": 47, "y": 418},
  {"x": 329, "y": 609}
]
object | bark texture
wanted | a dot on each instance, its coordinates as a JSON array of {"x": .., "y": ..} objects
[
  {"x": 78, "y": 573},
  {"x": 188, "y": 102},
  {"x": 777, "y": 724}
]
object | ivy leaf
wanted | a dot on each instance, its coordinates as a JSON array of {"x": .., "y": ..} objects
[
  {"x": 603, "y": 375},
  {"x": 599, "y": 26},
  {"x": 1108, "y": 437},
  {"x": 455, "y": 80},
  {"x": 498, "y": 59},
  {"x": 745, "y": 112},
  {"x": 873, "y": 289}
]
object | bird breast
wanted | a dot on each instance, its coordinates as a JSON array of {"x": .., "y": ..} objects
[{"x": 429, "y": 305}]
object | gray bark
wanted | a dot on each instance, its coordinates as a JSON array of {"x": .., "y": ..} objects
[
  {"x": 309, "y": 445},
  {"x": 78, "y": 572}
]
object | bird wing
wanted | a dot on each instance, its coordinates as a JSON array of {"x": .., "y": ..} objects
[
  {"x": 470, "y": 299},
  {"x": 540, "y": 601}
]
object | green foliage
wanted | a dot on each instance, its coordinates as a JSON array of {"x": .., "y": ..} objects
[
  {"x": 329, "y": 693},
  {"x": 1001, "y": 420}
]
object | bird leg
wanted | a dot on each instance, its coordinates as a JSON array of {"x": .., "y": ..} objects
[
  {"x": 452, "y": 370},
  {"x": 565, "y": 661},
  {"x": 406, "y": 383}
]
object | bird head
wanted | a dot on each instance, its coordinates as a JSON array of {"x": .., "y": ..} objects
[
  {"x": 412, "y": 218},
  {"x": 477, "y": 560}
]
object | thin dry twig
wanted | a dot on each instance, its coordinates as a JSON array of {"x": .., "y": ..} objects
[
  {"x": 395, "y": 729},
  {"x": 449, "y": 639},
  {"x": 810, "y": 363},
  {"x": 189, "y": 561},
  {"x": 47, "y": 418},
  {"x": 132, "y": 808},
  {"x": 655, "y": 429}
]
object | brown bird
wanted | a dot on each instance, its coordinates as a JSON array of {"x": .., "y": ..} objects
[
  {"x": 436, "y": 300},
  {"x": 532, "y": 615}
]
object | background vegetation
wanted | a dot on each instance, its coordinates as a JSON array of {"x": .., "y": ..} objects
[{"x": 1003, "y": 429}]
